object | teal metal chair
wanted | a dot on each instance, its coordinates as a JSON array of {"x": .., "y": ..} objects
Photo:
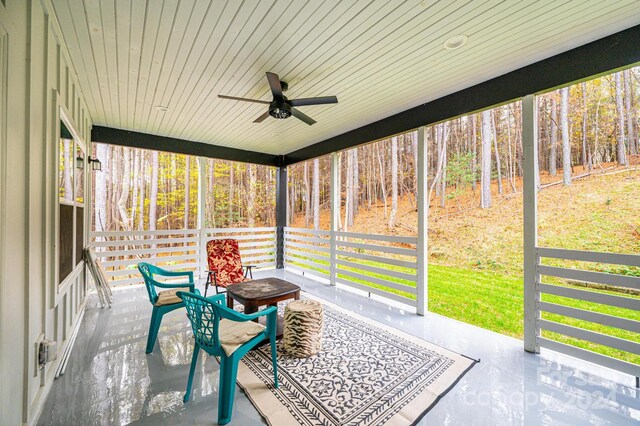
[
  {"x": 163, "y": 301},
  {"x": 228, "y": 334}
]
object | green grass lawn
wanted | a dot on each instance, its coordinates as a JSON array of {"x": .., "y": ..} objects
[{"x": 495, "y": 302}]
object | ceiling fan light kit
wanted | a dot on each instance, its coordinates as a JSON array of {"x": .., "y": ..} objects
[
  {"x": 279, "y": 110},
  {"x": 281, "y": 107}
]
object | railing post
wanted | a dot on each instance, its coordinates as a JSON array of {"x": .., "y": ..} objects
[
  {"x": 422, "y": 279},
  {"x": 202, "y": 201},
  {"x": 335, "y": 211},
  {"x": 530, "y": 208},
  {"x": 202, "y": 250},
  {"x": 281, "y": 213}
]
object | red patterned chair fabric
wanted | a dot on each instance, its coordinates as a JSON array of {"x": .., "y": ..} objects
[{"x": 225, "y": 264}]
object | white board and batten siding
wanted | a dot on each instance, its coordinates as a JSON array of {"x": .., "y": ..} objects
[{"x": 32, "y": 304}]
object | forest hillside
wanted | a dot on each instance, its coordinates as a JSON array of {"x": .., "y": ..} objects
[{"x": 598, "y": 212}]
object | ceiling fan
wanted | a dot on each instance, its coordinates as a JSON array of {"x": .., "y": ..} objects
[{"x": 281, "y": 107}]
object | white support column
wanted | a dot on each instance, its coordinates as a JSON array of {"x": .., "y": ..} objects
[
  {"x": 202, "y": 193},
  {"x": 422, "y": 280},
  {"x": 335, "y": 212},
  {"x": 530, "y": 200}
]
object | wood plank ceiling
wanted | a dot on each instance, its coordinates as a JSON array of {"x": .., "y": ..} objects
[{"x": 379, "y": 57}]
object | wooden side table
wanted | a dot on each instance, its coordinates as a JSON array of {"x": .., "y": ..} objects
[{"x": 261, "y": 292}]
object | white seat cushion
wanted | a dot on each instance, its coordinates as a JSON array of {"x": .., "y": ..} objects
[
  {"x": 234, "y": 334},
  {"x": 169, "y": 297}
]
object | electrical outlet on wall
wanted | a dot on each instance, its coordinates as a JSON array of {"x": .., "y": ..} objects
[
  {"x": 47, "y": 352},
  {"x": 36, "y": 358}
]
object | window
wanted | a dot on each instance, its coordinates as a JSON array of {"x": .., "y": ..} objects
[{"x": 71, "y": 163}]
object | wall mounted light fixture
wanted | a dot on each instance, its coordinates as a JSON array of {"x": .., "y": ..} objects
[{"x": 95, "y": 164}]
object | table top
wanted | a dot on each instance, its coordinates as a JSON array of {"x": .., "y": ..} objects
[{"x": 263, "y": 288}]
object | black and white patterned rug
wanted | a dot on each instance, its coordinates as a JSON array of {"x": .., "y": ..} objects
[{"x": 365, "y": 374}]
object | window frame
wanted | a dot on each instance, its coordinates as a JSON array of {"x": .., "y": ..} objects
[{"x": 62, "y": 284}]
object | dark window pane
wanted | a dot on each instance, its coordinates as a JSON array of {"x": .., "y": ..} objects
[{"x": 65, "y": 265}]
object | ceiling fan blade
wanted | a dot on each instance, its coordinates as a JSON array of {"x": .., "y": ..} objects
[
  {"x": 233, "y": 98},
  {"x": 321, "y": 100},
  {"x": 300, "y": 116},
  {"x": 262, "y": 117},
  {"x": 276, "y": 87}
]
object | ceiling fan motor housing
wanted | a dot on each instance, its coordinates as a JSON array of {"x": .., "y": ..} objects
[{"x": 280, "y": 110}]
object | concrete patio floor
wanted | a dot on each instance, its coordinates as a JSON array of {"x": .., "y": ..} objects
[{"x": 110, "y": 380}]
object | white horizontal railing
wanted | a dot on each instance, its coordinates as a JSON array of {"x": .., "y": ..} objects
[
  {"x": 384, "y": 265},
  {"x": 610, "y": 290},
  {"x": 308, "y": 250},
  {"x": 257, "y": 245},
  {"x": 183, "y": 250}
]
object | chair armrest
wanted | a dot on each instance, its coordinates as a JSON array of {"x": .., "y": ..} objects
[
  {"x": 218, "y": 298},
  {"x": 269, "y": 310},
  {"x": 177, "y": 274},
  {"x": 191, "y": 285},
  {"x": 240, "y": 317}
]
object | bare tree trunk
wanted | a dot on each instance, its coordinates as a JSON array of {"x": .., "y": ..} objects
[
  {"x": 231, "y": 200},
  {"x": 370, "y": 176},
  {"x": 187, "y": 190},
  {"x": 356, "y": 182},
  {"x": 474, "y": 150},
  {"x": 485, "y": 168},
  {"x": 211, "y": 193},
  {"x": 495, "y": 148},
  {"x": 136, "y": 186},
  {"x": 596, "y": 133},
  {"x": 114, "y": 177},
  {"x": 414, "y": 151},
  {"x": 553, "y": 137},
  {"x": 584, "y": 124},
  {"x": 349, "y": 210},
  {"x": 382, "y": 180},
  {"x": 292, "y": 204},
  {"x": 143, "y": 173},
  {"x": 106, "y": 171},
  {"x": 394, "y": 182},
  {"x": 566, "y": 143},
  {"x": 251, "y": 197},
  {"x": 436, "y": 178},
  {"x": 307, "y": 195},
  {"x": 510, "y": 163},
  {"x": 316, "y": 194},
  {"x": 622, "y": 154},
  {"x": 438, "y": 141},
  {"x": 628, "y": 94},
  {"x": 100, "y": 212},
  {"x": 153, "y": 197},
  {"x": 172, "y": 178},
  {"x": 124, "y": 193},
  {"x": 443, "y": 130}
]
